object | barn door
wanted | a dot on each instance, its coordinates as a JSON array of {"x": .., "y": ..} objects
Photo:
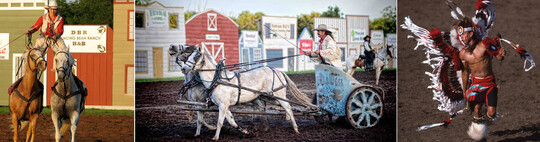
[{"x": 215, "y": 49}]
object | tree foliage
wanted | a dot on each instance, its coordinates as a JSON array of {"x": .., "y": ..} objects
[
  {"x": 189, "y": 14},
  {"x": 332, "y": 12},
  {"x": 87, "y": 12},
  {"x": 142, "y": 2},
  {"x": 247, "y": 20},
  {"x": 387, "y": 22},
  {"x": 306, "y": 21}
]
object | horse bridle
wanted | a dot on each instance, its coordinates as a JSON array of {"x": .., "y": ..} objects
[
  {"x": 192, "y": 64},
  {"x": 36, "y": 61},
  {"x": 67, "y": 68}
]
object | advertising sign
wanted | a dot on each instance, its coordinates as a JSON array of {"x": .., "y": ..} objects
[
  {"x": 377, "y": 37},
  {"x": 4, "y": 44},
  {"x": 86, "y": 39},
  {"x": 357, "y": 35},
  {"x": 157, "y": 18},
  {"x": 250, "y": 39},
  {"x": 391, "y": 39},
  {"x": 306, "y": 45},
  {"x": 281, "y": 31}
]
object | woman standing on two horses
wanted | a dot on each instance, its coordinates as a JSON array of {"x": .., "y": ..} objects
[
  {"x": 328, "y": 52},
  {"x": 368, "y": 52},
  {"x": 52, "y": 28}
]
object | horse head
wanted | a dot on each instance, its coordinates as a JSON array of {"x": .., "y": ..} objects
[
  {"x": 36, "y": 59},
  {"x": 181, "y": 52},
  {"x": 63, "y": 62},
  {"x": 194, "y": 61}
]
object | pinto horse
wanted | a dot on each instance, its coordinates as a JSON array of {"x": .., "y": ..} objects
[
  {"x": 353, "y": 62},
  {"x": 26, "y": 95}
]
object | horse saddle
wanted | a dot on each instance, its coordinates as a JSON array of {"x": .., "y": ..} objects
[
  {"x": 362, "y": 57},
  {"x": 14, "y": 85}
]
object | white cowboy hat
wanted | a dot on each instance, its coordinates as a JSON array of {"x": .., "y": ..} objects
[
  {"x": 322, "y": 27},
  {"x": 52, "y": 5}
]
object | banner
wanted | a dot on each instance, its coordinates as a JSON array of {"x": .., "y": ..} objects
[
  {"x": 306, "y": 45},
  {"x": 86, "y": 39},
  {"x": 391, "y": 39},
  {"x": 357, "y": 35},
  {"x": 4, "y": 43},
  {"x": 377, "y": 37},
  {"x": 157, "y": 18},
  {"x": 250, "y": 39}
]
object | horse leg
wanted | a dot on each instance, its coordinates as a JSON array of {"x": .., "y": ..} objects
[
  {"x": 74, "y": 121},
  {"x": 57, "y": 125},
  {"x": 223, "y": 108},
  {"x": 378, "y": 74},
  {"x": 289, "y": 114},
  {"x": 231, "y": 121},
  {"x": 206, "y": 124},
  {"x": 32, "y": 127},
  {"x": 15, "y": 127},
  {"x": 200, "y": 122}
]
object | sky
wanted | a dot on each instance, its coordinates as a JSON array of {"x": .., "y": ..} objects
[{"x": 372, "y": 8}]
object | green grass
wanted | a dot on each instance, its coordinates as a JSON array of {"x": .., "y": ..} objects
[
  {"x": 47, "y": 110},
  {"x": 158, "y": 79}
]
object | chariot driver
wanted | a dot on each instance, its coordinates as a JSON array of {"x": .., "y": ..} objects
[
  {"x": 52, "y": 28},
  {"x": 327, "y": 52},
  {"x": 475, "y": 56},
  {"x": 368, "y": 52}
]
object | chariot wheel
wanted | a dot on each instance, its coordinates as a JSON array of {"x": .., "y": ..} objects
[{"x": 364, "y": 107}]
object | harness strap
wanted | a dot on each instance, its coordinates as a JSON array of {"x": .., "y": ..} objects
[
  {"x": 28, "y": 101},
  {"x": 239, "y": 87}
]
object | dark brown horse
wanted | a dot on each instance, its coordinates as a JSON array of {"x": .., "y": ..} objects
[{"x": 26, "y": 95}]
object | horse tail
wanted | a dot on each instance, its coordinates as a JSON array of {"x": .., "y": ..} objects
[
  {"x": 301, "y": 97},
  {"x": 66, "y": 125},
  {"x": 21, "y": 126}
]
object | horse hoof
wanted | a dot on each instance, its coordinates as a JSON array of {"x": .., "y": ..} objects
[
  {"x": 212, "y": 128},
  {"x": 215, "y": 138},
  {"x": 245, "y": 132}
]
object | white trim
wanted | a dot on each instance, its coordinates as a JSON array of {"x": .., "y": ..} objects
[
  {"x": 22, "y": 2},
  {"x": 211, "y": 22},
  {"x": 191, "y": 18},
  {"x": 111, "y": 107},
  {"x": 213, "y": 44},
  {"x": 14, "y": 67}
]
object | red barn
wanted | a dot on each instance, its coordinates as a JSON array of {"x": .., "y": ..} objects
[{"x": 216, "y": 33}]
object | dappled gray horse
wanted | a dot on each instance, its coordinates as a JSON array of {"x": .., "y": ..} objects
[{"x": 69, "y": 95}]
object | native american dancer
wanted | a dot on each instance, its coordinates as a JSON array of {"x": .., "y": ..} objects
[{"x": 470, "y": 53}]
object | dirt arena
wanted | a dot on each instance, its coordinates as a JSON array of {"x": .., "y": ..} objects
[
  {"x": 157, "y": 120},
  {"x": 91, "y": 128},
  {"x": 518, "y": 99}
]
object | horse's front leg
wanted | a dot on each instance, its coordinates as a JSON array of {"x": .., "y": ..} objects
[
  {"x": 15, "y": 126},
  {"x": 231, "y": 121},
  {"x": 32, "y": 128},
  {"x": 223, "y": 109},
  {"x": 74, "y": 121},
  {"x": 57, "y": 125}
]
